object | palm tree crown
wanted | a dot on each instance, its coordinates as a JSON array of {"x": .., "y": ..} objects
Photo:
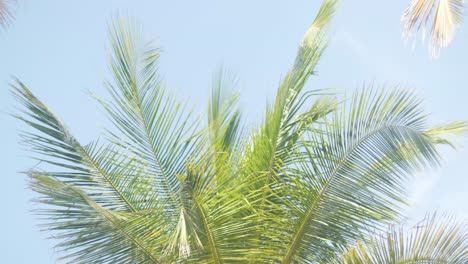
[{"x": 317, "y": 181}]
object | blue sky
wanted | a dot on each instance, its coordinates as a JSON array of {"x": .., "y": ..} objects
[{"x": 58, "y": 48}]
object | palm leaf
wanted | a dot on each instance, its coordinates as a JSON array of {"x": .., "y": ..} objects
[
  {"x": 354, "y": 173},
  {"x": 6, "y": 12},
  {"x": 220, "y": 212},
  {"x": 90, "y": 233},
  {"x": 284, "y": 123},
  {"x": 153, "y": 124},
  {"x": 99, "y": 168},
  {"x": 91, "y": 200},
  {"x": 443, "y": 16},
  {"x": 434, "y": 240},
  {"x": 269, "y": 148}
]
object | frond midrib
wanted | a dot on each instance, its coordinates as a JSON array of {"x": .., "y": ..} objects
[{"x": 209, "y": 233}]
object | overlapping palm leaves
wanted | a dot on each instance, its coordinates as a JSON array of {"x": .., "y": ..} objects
[{"x": 305, "y": 186}]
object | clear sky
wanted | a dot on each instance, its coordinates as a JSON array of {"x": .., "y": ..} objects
[{"x": 58, "y": 48}]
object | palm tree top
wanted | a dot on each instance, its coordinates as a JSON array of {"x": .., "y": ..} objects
[{"x": 312, "y": 183}]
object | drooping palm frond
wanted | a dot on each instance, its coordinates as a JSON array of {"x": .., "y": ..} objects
[
  {"x": 6, "y": 12},
  {"x": 154, "y": 126},
  {"x": 91, "y": 196},
  {"x": 284, "y": 123},
  {"x": 433, "y": 240},
  {"x": 100, "y": 169},
  {"x": 442, "y": 16},
  {"x": 91, "y": 233},
  {"x": 353, "y": 174}
]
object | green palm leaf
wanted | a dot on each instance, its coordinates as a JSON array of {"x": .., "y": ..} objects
[
  {"x": 153, "y": 124},
  {"x": 354, "y": 173},
  {"x": 270, "y": 146},
  {"x": 90, "y": 233},
  {"x": 92, "y": 193},
  {"x": 220, "y": 212},
  {"x": 433, "y": 240},
  {"x": 100, "y": 169}
]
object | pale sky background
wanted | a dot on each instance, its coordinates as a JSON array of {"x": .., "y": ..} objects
[{"x": 58, "y": 48}]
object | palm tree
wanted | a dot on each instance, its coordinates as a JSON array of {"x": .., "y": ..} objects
[
  {"x": 318, "y": 181},
  {"x": 6, "y": 12},
  {"x": 443, "y": 17}
]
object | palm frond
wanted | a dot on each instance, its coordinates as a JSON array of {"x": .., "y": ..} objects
[
  {"x": 442, "y": 16},
  {"x": 354, "y": 173},
  {"x": 89, "y": 232},
  {"x": 6, "y": 12},
  {"x": 153, "y": 124},
  {"x": 155, "y": 127},
  {"x": 269, "y": 148},
  {"x": 90, "y": 199},
  {"x": 220, "y": 212},
  {"x": 95, "y": 167},
  {"x": 434, "y": 240},
  {"x": 284, "y": 123}
]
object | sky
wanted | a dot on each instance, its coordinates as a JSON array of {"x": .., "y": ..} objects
[{"x": 59, "y": 49}]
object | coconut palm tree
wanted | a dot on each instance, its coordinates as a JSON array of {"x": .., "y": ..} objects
[
  {"x": 319, "y": 180},
  {"x": 442, "y": 16},
  {"x": 6, "y": 12}
]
